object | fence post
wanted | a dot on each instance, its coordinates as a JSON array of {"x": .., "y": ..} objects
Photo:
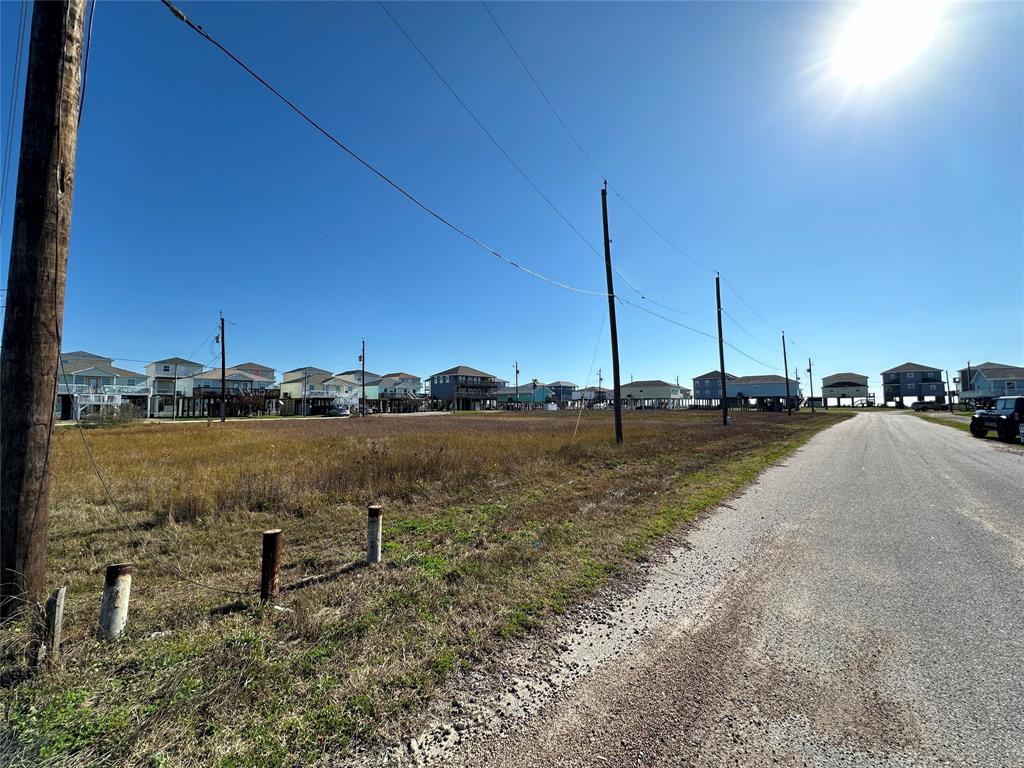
[
  {"x": 373, "y": 533},
  {"x": 47, "y": 624},
  {"x": 117, "y": 590},
  {"x": 270, "y": 570}
]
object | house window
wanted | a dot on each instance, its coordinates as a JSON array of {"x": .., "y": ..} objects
[
  {"x": 1011, "y": 385},
  {"x": 167, "y": 369},
  {"x": 910, "y": 375}
]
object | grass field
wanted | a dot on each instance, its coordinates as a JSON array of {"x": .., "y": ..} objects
[{"x": 491, "y": 523}]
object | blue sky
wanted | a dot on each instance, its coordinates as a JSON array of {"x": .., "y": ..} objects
[{"x": 875, "y": 227}]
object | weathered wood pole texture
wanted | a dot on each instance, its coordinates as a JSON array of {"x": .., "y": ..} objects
[{"x": 35, "y": 296}]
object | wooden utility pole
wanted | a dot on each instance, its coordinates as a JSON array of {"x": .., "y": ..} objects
[
  {"x": 785, "y": 370},
  {"x": 721, "y": 351},
  {"x": 611, "y": 316},
  {"x": 223, "y": 371},
  {"x": 34, "y": 315},
  {"x": 362, "y": 377},
  {"x": 810, "y": 376},
  {"x": 517, "y": 385}
]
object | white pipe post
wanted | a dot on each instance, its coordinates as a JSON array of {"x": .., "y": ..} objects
[
  {"x": 117, "y": 589},
  {"x": 373, "y": 533}
]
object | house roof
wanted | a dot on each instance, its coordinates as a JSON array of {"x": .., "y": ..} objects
[
  {"x": 85, "y": 365},
  {"x": 1004, "y": 372},
  {"x": 400, "y": 375},
  {"x": 308, "y": 369},
  {"x": 177, "y": 361},
  {"x": 649, "y": 383},
  {"x": 354, "y": 371},
  {"x": 595, "y": 389},
  {"x": 464, "y": 370},
  {"x": 230, "y": 373},
  {"x": 907, "y": 367},
  {"x": 714, "y": 375},
  {"x": 769, "y": 379},
  {"x": 561, "y": 383},
  {"x": 253, "y": 365},
  {"x": 844, "y": 375},
  {"x": 80, "y": 353}
]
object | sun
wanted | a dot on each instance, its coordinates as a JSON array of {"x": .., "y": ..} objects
[{"x": 882, "y": 37}]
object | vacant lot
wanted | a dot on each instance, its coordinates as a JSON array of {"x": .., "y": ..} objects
[{"x": 491, "y": 522}]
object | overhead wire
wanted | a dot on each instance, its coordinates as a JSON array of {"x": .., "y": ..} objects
[
  {"x": 590, "y": 159},
  {"x": 366, "y": 163},
  {"x": 15, "y": 87},
  {"x": 540, "y": 90},
  {"x": 85, "y": 66},
  {"x": 490, "y": 135},
  {"x": 751, "y": 335}
]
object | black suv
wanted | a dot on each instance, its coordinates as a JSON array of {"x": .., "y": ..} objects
[{"x": 1004, "y": 417}]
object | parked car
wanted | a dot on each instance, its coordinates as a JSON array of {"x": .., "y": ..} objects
[
  {"x": 1004, "y": 417},
  {"x": 929, "y": 406},
  {"x": 337, "y": 411}
]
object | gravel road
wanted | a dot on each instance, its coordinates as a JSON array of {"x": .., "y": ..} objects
[{"x": 860, "y": 605}]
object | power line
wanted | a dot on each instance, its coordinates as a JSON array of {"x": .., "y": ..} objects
[
  {"x": 15, "y": 82},
  {"x": 366, "y": 163},
  {"x": 747, "y": 305},
  {"x": 579, "y": 146},
  {"x": 540, "y": 90},
  {"x": 737, "y": 324},
  {"x": 85, "y": 66},
  {"x": 479, "y": 123}
]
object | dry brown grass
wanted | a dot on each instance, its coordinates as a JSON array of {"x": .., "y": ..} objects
[{"x": 491, "y": 522}]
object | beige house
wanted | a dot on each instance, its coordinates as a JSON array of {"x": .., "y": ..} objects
[{"x": 845, "y": 385}]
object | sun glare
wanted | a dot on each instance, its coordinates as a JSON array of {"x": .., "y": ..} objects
[{"x": 882, "y": 37}]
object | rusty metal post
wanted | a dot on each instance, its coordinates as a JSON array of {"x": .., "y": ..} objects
[
  {"x": 117, "y": 590},
  {"x": 270, "y": 570},
  {"x": 374, "y": 525}
]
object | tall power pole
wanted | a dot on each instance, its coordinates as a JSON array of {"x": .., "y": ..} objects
[
  {"x": 721, "y": 351},
  {"x": 223, "y": 370},
  {"x": 611, "y": 316},
  {"x": 362, "y": 377},
  {"x": 517, "y": 385},
  {"x": 810, "y": 376},
  {"x": 785, "y": 370},
  {"x": 34, "y": 314}
]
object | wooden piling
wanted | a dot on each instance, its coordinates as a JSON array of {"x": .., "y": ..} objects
[
  {"x": 270, "y": 570},
  {"x": 374, "y": 514}
]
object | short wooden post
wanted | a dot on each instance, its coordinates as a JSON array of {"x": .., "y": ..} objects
[
  {"x": 270, "y": 570},
  {"x": 374, "y": 514},
  {"x": 117, "y": 590},
  {"x": 47, "y": 624}
]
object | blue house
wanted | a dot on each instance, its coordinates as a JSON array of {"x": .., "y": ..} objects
[
  {"x": 464, "y": 388},
  {"x": 991, "y": 380},
  {"x": 914, "y": 381},
  {"x": 709, "y": 386},
  {"x": 562, "y": 391}
]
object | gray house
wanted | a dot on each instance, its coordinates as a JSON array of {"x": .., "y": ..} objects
[
  {"x": 760, "y": 387},
  {"x": 989, "y": 380},
  {"x": 463, "y": 387},
  {"x": 914, "y": 381}
]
